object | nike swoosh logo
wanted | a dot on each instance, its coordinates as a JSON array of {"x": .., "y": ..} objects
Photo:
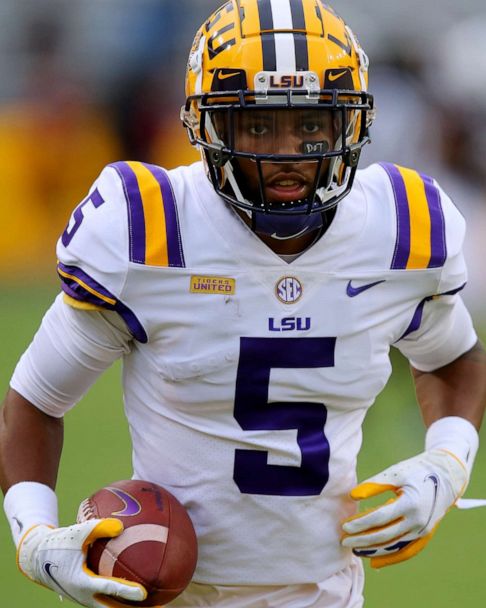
[
  {"x": 398, "y": 546},
  {"x": 225, "y": 76},
  {"x": 131, "y": 506},
  {"x": 333, "y": 77},
  {"x": 48, "y": 568},
  {"x": 19, "y": 524},
  {"x": 392, "y": 548},
  {"x": 352, "y": 292},
  {"x": 284, "y": 238},
  {"x": 435, "y": 480}
]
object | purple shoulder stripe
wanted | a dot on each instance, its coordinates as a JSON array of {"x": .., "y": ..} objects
[
  {"x": 402, "y": 243},
  {"x": 438, "y": 247},
  {"x": 140, "y": 208},
  {"x": 136, "y": 219},
  {"x": 174, "y": 240},
  {"x": 82, "y": 287}
]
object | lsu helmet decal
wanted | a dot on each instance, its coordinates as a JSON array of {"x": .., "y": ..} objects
[{"x": 277, "y": 101}]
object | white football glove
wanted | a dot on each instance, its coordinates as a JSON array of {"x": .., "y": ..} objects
[
  {"x": 426, "y": 487},
  {"x": 56, "y": 558}
]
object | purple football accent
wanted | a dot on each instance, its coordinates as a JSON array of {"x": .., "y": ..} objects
[{"x": 132, "y": 506}]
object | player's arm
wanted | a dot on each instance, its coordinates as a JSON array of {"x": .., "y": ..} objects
[
  {"x": 70, "y": 350},
  {"x": 457, "y": 389},
  {"x": 449, "y": 370},
  {"x": 30, "y": 443}
]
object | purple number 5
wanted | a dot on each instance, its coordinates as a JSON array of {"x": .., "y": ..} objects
[
  {"x": 252, "y": 473},
  {"x": 97, "y": 200}
]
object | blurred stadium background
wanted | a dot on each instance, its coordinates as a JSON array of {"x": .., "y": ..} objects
[{"x": 87, "y": 82}]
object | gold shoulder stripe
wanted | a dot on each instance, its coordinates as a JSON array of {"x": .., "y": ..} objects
[
  {"x": 156, "y": 251},
  {"x": 66, "y": 275},
  {"x": 80, "y": 305},
  {"x": 420, "y": 224}
]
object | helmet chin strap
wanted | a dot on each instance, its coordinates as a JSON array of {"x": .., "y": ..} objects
[
  {"x": 289, "y": 227},
  {"x": 284, "y": 227}
]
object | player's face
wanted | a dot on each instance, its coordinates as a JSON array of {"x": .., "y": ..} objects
[{"x": 285, "y": 132}]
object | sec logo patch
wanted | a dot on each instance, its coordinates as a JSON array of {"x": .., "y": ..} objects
[{"x": 289, "y": 290}]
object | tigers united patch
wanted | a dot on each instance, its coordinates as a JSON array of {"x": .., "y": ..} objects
[{"x": 223, "y": 286}]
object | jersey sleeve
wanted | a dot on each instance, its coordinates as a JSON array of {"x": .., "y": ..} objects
[
  {"x": 440, "y": 328},
  {"x": 445, "y": 332},
  {"x": 71, "y": 349},
  {"x": 93, "y": 251}
]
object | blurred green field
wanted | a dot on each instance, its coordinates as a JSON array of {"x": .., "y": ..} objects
[{"x": 450, "y": 573}]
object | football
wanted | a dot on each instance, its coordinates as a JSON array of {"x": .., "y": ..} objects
[{"x": 158, "y": 546}]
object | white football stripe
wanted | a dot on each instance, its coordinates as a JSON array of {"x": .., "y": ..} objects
[
  {"x": 285, "y": 50},
  {"x": 282, "y": 15},
  {"x": 284, "y": 43},
  {"x": 130, "y": 536}
]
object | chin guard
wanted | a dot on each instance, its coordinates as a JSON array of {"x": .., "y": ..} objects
[{"x": 283, "y": 227}]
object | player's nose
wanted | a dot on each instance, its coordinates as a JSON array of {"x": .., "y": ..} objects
[{"x": 289, "y": 142}]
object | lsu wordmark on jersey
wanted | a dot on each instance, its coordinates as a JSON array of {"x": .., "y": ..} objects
[{"x": 265, "y": 368}]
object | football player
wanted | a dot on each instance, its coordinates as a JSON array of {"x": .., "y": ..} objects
[{"x": 254, "y": 297}]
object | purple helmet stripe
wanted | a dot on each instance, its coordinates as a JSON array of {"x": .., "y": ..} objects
[
  {"x": 136, "y": 218},
  {"x": 80, "y": 286},
  {"x": 402, "y": 244},
  {"x": 437, "y": 236},
  {"x": 174, "y": 241}
]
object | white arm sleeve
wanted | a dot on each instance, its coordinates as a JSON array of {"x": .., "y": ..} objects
[
  {"x": 446, "y": 332},
  {"x": 68, "y": 353}
]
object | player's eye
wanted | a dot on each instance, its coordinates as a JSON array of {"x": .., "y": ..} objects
[
  {"x": 310, "y": 128},
  {"x": 258, "y": 129}
]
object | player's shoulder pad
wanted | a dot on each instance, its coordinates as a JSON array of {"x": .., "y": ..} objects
[
  {"x": 128, "y": 218},
  {"x": 131, "y": 208},
  {"x": 428, "y": 228},
  {"x": 95, "y": 241}
]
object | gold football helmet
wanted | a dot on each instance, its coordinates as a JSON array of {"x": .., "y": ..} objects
[{"x": 277, "y": 89}]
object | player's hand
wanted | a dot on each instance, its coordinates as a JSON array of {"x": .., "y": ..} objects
[
  {"x": 56, "y": 558},
  {"x": 425, "y": 488}
]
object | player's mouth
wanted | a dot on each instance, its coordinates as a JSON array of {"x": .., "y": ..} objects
[{"x": 287, "y": 188}]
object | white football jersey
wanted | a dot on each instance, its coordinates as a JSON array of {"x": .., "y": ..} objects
[{"x": 249, "y": 377}]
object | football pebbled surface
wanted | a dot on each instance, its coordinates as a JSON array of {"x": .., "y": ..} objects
[{"x": 158, "y": 546}]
